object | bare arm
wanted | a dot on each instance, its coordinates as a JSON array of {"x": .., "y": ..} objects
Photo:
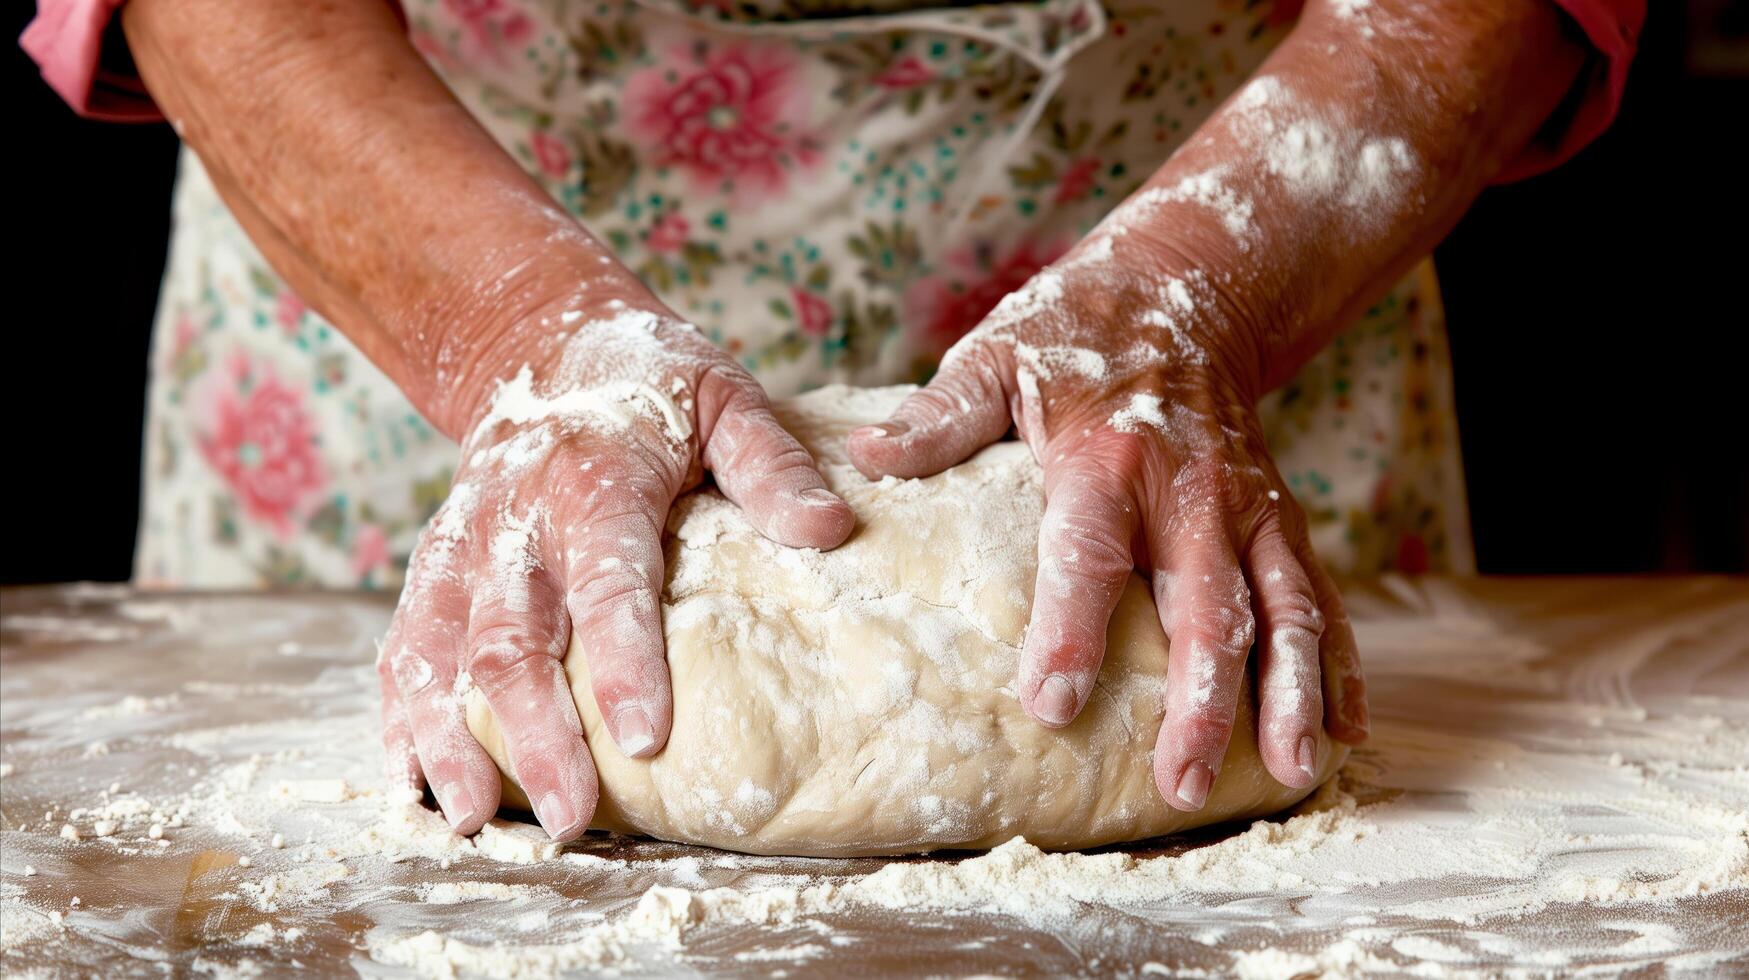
[
  {"x": 372, "y": 190},
  {"x": 1356, "y": 147}
]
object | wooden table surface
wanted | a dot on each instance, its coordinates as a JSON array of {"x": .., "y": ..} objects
[{"x": 1557, "y": 780}]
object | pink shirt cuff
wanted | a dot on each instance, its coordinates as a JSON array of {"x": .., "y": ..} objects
[
  {"x": 1613, "y": 28},
  {"x": 66, "y": 41}
]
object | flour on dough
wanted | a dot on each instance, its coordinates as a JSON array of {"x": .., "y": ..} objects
[{"x": 861, "y": 701}]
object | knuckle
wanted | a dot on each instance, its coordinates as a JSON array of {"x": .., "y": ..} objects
[
  {"x": 787, "y": 466},
  {"x": 411, "y": 672},
  {"x": 1097, "y": 473},
  {"x": 625, "y": 675},
  {"x": 1207, "y": 728},
  {"x": 972, "y": 352},
  {"x": 983, "y": 379},
  {"x": 613, "y": 558},
  {"x": 973, "y": 381},
  {"x": 1086, "y": 547},
  {"x": 622, "y": 520},
  {"x": 493, "y": 661},
  {"x": 1225, "y": 620},
  {"x": 616, "y": 685},
  {"x": 1293, "y": 609},
  {"x": 740, "y": 390},
  {"x": 385, "y": 670},
  {"x": 616, "y": 586},
  {"x": 1338, "y": 641},
  {"x": 500, "y": 635},
  {"x": 1074, "y": 655}
]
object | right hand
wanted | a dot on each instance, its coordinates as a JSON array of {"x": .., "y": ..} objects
[{"x": 553, "y": 525}]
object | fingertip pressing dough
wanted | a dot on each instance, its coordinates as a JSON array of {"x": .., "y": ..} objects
[{"x": 862, "y": 701}]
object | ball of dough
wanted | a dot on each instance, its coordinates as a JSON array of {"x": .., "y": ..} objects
[{"x": 862, "y": 701}]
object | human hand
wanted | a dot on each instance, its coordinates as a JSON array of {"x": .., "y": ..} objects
[
  {"x": 1133, "y": 379},
  {"x": 553, "y": 525}
]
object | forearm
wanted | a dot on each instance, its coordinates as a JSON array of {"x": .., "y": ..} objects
[
  {"x": 1356, "y": 147},
  {"x": 371, "y": 190}
]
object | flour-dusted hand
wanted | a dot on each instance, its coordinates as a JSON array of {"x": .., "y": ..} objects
[
  {"x": 1132, "y": 367},
  {"x": 553, "y": 525},
  {"x": 1124, "y": 375}
]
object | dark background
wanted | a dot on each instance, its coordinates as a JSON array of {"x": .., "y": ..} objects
[{"x": 1597, "y": 320}]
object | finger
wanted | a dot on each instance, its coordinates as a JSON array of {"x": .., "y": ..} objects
[
  {"x": 424, "y": 645},
  {"x": 1206, "y": 609},
  {"x": 1345, "y": 711},
  {"x": 400, "y": 759},
  {"x": 1290, "y": 715},
  {"x": 1084, "y": 561},
  {"x": 517, "y": 634},
  {"x": 614, "y": 567},
  {"x": 766, "y": 472},
  {"x": 516, "y": 637},
  {"x": 963, "y": 409}
]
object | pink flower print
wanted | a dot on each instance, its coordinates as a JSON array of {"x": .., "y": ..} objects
[
  {"x": 943, "y": 308},
  {"x": 258, "y": 437},
  {"x": 907, "y": 72},
  {"x": 491, "y": 23},
  {"x": 289, "y": 312},
  {"x": 668, "y": 234},
  {"x": 370, "y": 551},
  {"x": 1077, "y": 180},
  {"x": 813, "y": 314},
  {"x": 433, "y": 50},
  {"x": 516, "y": 28},
  {"x": 184, "y": 335},
  {"x": 550, "y": 153},
  {"x": 736, "y": 113}
]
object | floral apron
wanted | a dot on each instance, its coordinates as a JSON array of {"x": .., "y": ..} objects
[{"x": 832, "y": 194}]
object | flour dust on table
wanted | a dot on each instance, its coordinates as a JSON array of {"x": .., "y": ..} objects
[
  {"x": 861, "y": 701},
  {"x": 1555, "y": 785}
]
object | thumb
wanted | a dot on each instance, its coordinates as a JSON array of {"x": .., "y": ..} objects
[
  {"x": 962, "y": 410},
  {"x": 767, "y": 473}
]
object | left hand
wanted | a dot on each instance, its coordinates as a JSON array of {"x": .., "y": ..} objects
[{"x": 1134, "y": 379}]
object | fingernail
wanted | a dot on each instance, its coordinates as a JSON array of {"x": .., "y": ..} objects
[
  {"x": 819, "y": 498},
  {"x": 1054, "y": 704},
  {"x": 457, "y": 803},
  {"x": 886, "y": 430},
  {"x": 1308, "y": 756},
  {"x": 555, "y": 814},
  {"x": 1358, "y": 716},
  {"x": 1193, "y": 786},
  {"x": 635, "y": 734}
]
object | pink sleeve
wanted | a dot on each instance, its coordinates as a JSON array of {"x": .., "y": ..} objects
[
  {"x": 66, "y": 41},
  {"x": 1613, "y": 28}
]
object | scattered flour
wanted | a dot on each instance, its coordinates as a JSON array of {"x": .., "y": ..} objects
[
  {"x": 1319, "y": 155},
  {"x": 1557, "y": 796}
]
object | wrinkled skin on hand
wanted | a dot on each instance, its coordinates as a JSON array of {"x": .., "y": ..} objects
[
  {"x": 553, "y": 526},
  {"x": 1126, "y": 373}
]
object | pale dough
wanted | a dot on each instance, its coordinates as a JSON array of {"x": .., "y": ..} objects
[{"x": 861, "y": 701}]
